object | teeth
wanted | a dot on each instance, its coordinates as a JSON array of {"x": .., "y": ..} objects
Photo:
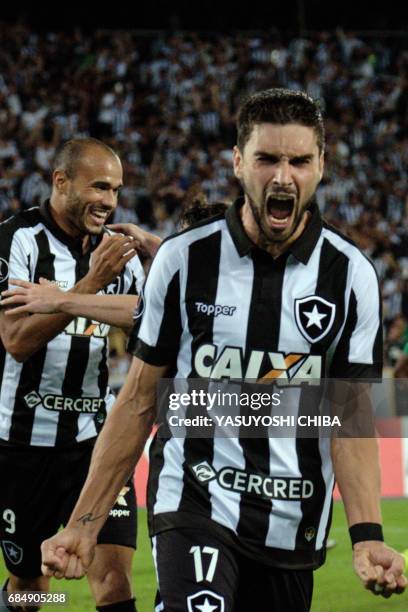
[
  {"x": 279, "y": 220},
  {"x": 280, "y": 197}
]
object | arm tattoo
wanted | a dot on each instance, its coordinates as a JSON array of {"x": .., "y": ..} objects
[{"x": 88, "y": 518}]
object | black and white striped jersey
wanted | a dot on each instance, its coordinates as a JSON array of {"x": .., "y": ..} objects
[
  {"x": 216, "y": 307},
  {"x": 59, "y": 396}
]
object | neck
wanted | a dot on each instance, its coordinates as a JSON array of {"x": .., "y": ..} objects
[
  {"x": 59, "y": 216},
  {"x": 275, "y": 248}
]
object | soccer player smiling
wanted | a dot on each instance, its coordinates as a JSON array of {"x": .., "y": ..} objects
[{"x": 90, "y": 195}]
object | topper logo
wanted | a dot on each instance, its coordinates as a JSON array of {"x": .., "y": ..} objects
[{"x": 215, "y": 309}]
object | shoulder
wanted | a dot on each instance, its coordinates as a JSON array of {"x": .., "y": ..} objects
[
  {"x": 26, "y": 218},
  {"x": 16, "y": 233},
  {"x": 357, "y": 260},
  {"x": 174, "y": 252},
  {"x": 194, "y": 233}
]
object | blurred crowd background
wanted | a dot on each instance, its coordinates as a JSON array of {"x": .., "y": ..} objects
[{"x": 167, "y": 103}]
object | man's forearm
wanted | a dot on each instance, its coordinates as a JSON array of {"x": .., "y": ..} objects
[
  {"x": 114, "y": 310},
  {"x": 116, "y": 452},
  {"x": 28, "y": 334},
  {"x": 115, "y": 455},
  {"x": 357, "y": 471}
]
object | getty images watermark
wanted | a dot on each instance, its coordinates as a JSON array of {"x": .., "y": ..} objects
[
  {"x": 201, "y": 408},
  {"x": 296, "y": 408},
  {"x": 214, "y": 404}
]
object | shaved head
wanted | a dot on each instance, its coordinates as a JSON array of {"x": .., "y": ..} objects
[
  {"x": 87, "y": 179},
  {"x": 70, "y": 155}
]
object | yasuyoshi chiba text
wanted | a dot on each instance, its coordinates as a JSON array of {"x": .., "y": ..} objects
[{"x": 254, "y": 420}]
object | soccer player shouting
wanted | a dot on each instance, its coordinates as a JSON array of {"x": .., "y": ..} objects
[{"x": 292, "y": 298}]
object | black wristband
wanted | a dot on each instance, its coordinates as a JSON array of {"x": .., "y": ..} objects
[{"x": 361, "y": 532}]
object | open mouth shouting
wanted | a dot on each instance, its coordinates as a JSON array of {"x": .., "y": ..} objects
[{"x": 280, "y": 209}]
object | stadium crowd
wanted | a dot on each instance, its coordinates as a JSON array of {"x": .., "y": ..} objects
[{"x": 166, "y": 103}]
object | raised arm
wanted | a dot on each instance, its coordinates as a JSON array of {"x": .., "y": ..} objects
[{"x": 69, "y": 553}]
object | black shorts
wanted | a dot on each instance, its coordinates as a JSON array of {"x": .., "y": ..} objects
[
  {"x": 197, "y": 571},
  {"x": 38, "y": 491}
]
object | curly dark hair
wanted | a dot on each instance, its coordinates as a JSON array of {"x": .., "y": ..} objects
[{"x": 198, "y": 209}]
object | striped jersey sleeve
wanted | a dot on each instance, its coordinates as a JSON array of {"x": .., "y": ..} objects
[
  {"x": 14, "y": 257},
  {"x": 133, "y": 277},
  {"x": 158, "y": 323},
  {"x": 359, "y": 351}
]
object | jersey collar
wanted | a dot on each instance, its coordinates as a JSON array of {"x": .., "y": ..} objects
[{"x": 302, "y": 248}]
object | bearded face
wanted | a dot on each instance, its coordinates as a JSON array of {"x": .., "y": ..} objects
[{"x": 279, "y": 170}]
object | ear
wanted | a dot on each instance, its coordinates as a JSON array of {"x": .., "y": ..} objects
[
  {"x": 321, "y": 165},
  {"x": 237, "y": 160},
  {"x": 60, "y": 181}
]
